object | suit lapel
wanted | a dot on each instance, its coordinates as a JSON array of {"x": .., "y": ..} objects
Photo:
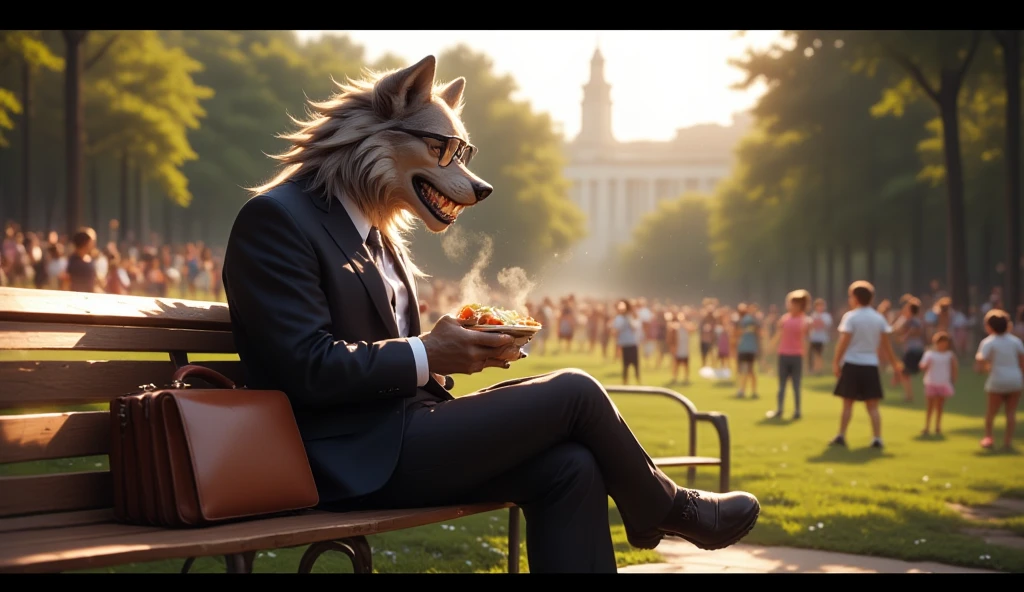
[{"x": 344, "y": 233}]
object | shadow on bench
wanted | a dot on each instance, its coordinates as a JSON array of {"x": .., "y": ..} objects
[{"x": 63, "y": 521}]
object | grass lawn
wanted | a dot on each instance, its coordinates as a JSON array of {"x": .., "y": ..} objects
[{"x": 890, "y": 503}]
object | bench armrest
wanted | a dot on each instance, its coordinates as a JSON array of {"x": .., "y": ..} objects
[
  {"x": 721, "y": 423},
  {"x": 718, "y": 420}
]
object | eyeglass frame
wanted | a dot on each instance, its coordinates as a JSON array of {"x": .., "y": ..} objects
[{"x": 457, "y": 153}]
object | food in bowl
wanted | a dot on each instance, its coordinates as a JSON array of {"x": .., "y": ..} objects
[{"x": 483, "y": 315}]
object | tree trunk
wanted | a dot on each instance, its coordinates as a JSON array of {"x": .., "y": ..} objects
[
  {"x": 140, "y": 239},
  {"x": 1011, "y": 64},
  {"x": 830, "y": 277},
  {"x": 956, "y": 239},
  {"x": 122, "y": 223},
  {"x": 94, "y": 194},
  {"x": 812, "y": 254},
  {"x": 917, "y": 253},
  {"x": 74, "y": 119},
  {"x": 984, "y": 282},
  {"x": 897, "y": 279},
  {"x": 870, "y": 249},
  {"x": 26, "y": 146},
  {"x": 847, "y": 272}
]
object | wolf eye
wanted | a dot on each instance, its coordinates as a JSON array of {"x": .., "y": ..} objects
[{"x": 434, "y": 146}]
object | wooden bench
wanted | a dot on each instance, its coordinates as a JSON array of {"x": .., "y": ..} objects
[{"x": 54, "y": 520}]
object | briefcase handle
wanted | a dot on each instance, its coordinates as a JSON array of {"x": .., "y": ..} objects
[{"x": 211, "y": 376}]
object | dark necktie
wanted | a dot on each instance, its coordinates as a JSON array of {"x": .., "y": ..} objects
[{"x": 376, "y": 246}]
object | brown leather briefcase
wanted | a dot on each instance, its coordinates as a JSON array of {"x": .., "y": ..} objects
[{"x": 183, "y": 456}]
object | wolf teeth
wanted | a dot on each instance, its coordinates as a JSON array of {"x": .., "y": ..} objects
[{"x": 440, "y": 202}]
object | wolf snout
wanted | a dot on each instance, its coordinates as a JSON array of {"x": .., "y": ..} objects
[{"x": 482, "y": 190}]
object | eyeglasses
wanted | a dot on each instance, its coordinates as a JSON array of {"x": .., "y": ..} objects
[{"x": 451, "y": 147}]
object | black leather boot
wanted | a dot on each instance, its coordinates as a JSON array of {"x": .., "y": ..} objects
[{"x": 712, "y": 521}]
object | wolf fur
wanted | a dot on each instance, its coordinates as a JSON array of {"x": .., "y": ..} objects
[{"x": 346, "y": 146}]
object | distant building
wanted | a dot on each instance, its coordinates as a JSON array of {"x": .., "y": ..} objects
[{"x": 617, "y": 183}]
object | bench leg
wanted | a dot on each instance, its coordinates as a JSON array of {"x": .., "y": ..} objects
[
  {"x": 513, "y": 540},
  {"x": 357, "y": 549},
  {"x": 238, "y": 563}
]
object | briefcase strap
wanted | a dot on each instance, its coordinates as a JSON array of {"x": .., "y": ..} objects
[{"x": 211, "y": 376}]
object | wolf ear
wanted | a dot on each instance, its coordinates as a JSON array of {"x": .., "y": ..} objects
[
  {"x": 396, "y": 93},
  {"x": 452, "y": 92}
]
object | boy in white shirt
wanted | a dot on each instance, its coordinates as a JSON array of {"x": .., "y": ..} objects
[{"x": 862, "y": 331}]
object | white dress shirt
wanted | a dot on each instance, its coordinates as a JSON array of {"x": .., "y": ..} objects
[{"x": 397, "y": 292}]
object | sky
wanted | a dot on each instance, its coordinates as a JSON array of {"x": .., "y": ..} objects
[{"x": 661, "y": 80}]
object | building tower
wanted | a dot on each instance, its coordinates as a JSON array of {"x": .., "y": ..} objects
[{"x": 596, "y": 126}]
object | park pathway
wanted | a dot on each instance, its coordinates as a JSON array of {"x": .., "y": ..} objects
[{"x": 682, "y": 557}]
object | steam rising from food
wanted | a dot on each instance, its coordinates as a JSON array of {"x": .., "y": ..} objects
[{"x": 516, "y": 285}]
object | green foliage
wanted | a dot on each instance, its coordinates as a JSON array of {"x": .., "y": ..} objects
[
  {"x": 669, "y": 254},
  {"x": 21, "y": 49},
  {"x": 143, "y": 101}
]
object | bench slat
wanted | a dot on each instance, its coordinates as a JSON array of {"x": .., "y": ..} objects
[
  {"x": 49, "y": 306},
  {"x": 56, "y": 520},
  {"x": 96, "y": 545},
  {"x": 53, "y": 435},
  {"x": 41, "y": 384},
  {"x": 61, "y": 492},
  {"x": 36, "y": 336}
]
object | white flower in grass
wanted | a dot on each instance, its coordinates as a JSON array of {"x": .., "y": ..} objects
[
  {"x": 925, "y": 478},
  {"x": 829, "y": 471},
  {"x": 810, "y": 528},
  {"x": 484, "y": 545},
  {"x": 948, "y": 485},
  {"x": 271, "y": 554},
  {"x": 821, "y": 525},
  {"x": 468, "y": 562}
]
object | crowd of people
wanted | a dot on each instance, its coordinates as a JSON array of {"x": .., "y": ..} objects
[
  {"x": 731, "y": 342},
  {"x": 50, "y": 260},
  {"x": 917, "y": 341}
]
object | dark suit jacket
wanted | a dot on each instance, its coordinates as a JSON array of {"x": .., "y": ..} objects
[{"x": 311, "y": 317}]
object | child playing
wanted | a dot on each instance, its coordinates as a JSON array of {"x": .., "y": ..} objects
[
  {"x": 748, "y": 330},
  {"x": 940, "y": 372},
  {"x": 1002, "y": 355},
  {"x": 679, "y": 341},
  {"x": 707, "y": 335},
  {"x": 821, "y": 326},
  {"x": 722, "y": 338},
  {"x": 792, "y": 332},
  {"x": 862, "y": 332},
  {"x": 912, "y": 336}
]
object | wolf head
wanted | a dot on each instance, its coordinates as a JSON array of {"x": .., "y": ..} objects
[{"x": 395, "y": 144}]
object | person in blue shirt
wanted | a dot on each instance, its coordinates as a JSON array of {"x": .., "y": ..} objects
[{"x": 748, "y": 346}]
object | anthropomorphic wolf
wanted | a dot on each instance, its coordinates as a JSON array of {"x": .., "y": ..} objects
[{"x": 323, "y": 305}]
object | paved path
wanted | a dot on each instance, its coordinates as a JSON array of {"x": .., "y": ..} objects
[{"x": 682, "y": 557}]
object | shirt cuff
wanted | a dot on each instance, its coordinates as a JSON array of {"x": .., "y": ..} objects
[{"x": 422, "y": 367}]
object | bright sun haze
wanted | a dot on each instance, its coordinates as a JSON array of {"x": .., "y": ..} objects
[{"x": 661, "y": 80}]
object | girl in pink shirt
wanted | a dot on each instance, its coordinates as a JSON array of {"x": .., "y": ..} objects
[{"x": 792, "y": 333}]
